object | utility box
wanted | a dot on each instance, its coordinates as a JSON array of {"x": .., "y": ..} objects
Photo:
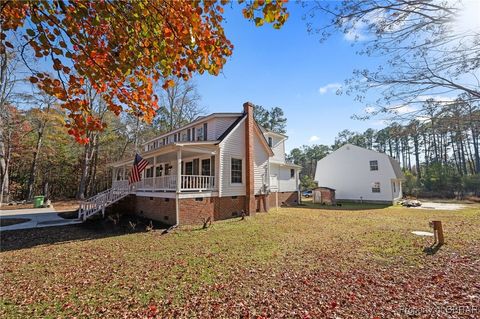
[{"x": 324, "y": 195}]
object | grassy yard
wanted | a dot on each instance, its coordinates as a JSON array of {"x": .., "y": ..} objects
[{"x": 305, "y": 262}]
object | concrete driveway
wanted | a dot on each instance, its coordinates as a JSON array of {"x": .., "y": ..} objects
[
  {"x": 39, "y": 217},
  {"x": 440, "y": 206}
]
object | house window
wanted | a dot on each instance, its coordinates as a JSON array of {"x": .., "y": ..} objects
[
  {"x": 149, "y": 172},
  {"x": 205, "y": 131},
  {"x": 394, "y": 188},
  {"x": 196, "y": 164},
  {"x": 188, "y": 135},
  {"x": 206, "y": 167},
  {"x": 174, "y": 137},
  {"x": 158, "y": 170},
  {"x": 376, "y": 187},
  {"x": 292, "y": 173},
  {"x": 270, "y": 142},
  {"x": 188, "y": 168},
  {"x": 374, "y": 165},
  {"x": 199, "y": 134},
  {"x": 193, "y": 134},
  {"x": 236, "y": 171}
]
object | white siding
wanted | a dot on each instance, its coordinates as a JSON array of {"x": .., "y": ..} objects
[
  {"x": 260, "y": 163},
  {"x": 278, "y": 148},
  {"x": 283, "y": 179},
  {"x": 347, "y": 170},
  {"x": 232, "y": 146},
  {"x": 220, "y": 125}
]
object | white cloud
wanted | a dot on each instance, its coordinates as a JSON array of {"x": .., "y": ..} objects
[
  {"x": 404, "y": 109},
  {"x": 329, "y": 88},
  {"x": 467, "y": 20},
  {"x": 369, "y": 109},
  {"x": 313, "y": 138},
  {"x": 356, "y": 33}
]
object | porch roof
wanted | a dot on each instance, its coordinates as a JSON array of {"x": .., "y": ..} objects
[{"x": 188, "y": 148}]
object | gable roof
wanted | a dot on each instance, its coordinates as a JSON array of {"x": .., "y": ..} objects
[
  {"x": 397, "y": 170},
  {"x": 194, "y": 122},
  {"x": 231, "y": 127},
  {"x": 396, "y": 167},
  {"x": 257, "y": 128}
]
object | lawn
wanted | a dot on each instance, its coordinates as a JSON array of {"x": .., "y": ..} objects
[{"x": 305, "y": 262}]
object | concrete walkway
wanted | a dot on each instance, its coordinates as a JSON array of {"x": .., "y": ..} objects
[{"x": 39, "y": 217}]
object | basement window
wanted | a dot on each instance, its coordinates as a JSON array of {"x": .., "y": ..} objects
[{"x": 199, "y": 199}]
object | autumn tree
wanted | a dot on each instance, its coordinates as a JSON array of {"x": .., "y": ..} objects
[{"x": 122, "y": 48}]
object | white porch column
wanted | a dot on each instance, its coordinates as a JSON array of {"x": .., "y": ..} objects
[
  {"x": 179, "y": 170},
  {"x": 179, "y": 186},
  {"x": 154, "y": 173}
]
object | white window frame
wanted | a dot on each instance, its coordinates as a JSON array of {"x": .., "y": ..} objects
[
  {"x": 375, "y": 186},
  {"x": 243, "y": 170},
  {"x": 373, "y": 165}
]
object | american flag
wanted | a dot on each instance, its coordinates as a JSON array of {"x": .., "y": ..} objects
[{"x": 139, "y": 165}]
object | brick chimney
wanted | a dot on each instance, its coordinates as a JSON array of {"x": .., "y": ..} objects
[{"x": 250, "y": 205}]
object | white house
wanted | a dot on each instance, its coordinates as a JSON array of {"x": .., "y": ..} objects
[
  {"x": 360, "y": 174},
  {"x": 214, "y": 167}
]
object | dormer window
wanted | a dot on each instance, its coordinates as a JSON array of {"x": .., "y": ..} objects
[
  {"x": 205, "y": 126},
  {"x": 199, "y": 134}
]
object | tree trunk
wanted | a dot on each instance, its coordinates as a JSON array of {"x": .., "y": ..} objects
[
  {"x": 85, "y": 168},
  {"x": 417, "y": 156},
  {"x": 33, "y": 167}
]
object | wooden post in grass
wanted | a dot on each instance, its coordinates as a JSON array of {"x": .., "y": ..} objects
[{"x": 438, "y": 231}]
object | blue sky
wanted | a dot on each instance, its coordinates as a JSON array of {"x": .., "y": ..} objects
[{"x": 287, "y": 68}]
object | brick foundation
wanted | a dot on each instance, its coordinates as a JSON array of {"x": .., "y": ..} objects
[
  {"x": 156, "y": 208},
  {"x": 288, "y": 198},
  {"x": 228, "y": 207},
  {"x": 194, "y": 210}
]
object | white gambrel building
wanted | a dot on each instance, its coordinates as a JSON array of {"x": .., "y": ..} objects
[{"x": 361, "y": 174}]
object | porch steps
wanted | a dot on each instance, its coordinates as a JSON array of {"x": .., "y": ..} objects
[{"x": 99, "y": 202}]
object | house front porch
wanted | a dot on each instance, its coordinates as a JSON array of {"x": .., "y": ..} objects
[{"x": 187, "y": 168}]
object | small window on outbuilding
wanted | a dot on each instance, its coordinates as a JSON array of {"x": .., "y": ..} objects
[
  {"x": 292, "y": 173},
  {"x": 374, "y": 165},
  {"x": 270, "y": 141},
  {"x": 376, "y": 187}
]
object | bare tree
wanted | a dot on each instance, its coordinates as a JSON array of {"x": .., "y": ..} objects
[
  {"x": 8, "y": 64},
  {"x": 422, "y": 49},
  {"x": 179, "y": 105}
]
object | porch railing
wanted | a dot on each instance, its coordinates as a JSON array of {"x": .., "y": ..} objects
[
  {"x": 169, "y": 183},
  {"x": 197, "y": 182},
  {"x": 99, "y": 202}
]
